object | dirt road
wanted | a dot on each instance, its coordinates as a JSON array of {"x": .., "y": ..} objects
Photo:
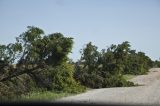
[{"x": 149, "y": 93}]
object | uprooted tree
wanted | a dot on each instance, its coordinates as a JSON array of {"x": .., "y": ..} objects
[{"x": 42, "y": 59}]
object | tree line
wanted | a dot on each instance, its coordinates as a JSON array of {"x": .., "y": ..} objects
[
  {"x": 40, "y": 62},
  {"x": 106, "y": 68}
]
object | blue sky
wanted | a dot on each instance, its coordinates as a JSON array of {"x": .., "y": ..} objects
[{"x": 104, "y": 22}]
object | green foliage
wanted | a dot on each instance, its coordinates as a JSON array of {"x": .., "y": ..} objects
[
  {"x": 90, "y": 57},
  {"x": 137, "y": 63},
  {"x": 156, "y": 63},
  {"x": 15, "y": 87},
  {"x": 41, "y": 63},
  {"x": 117, "y": 81},
  {"x": 58, "y": 78},
  {"x": 43, "y": 96},
  {"x": 52, "y": 49},
  {"x": 6, "y": 92},
  {"x": 128, "y": 76},
  {"x": 106, "y": 68}
]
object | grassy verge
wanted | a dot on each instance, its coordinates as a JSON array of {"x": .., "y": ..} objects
[
  {"x": 44, "y": 96},
  {"x": 128, "y": 76}
]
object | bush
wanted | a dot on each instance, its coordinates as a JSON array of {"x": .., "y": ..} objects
[
  {"x": 62, "y": 77},
  {"x": 100, "y": 79},
  {"x": 59, "y": 78}
]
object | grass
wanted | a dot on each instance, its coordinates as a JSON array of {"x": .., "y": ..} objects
[
  {"x": 128, "y": 76},
  {"x": 43, "y": 96}
]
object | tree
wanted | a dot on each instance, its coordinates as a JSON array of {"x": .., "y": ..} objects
[
  {"x": 90, "y": 57},
  {"x": 26, "y": 40},
  {"x": 137, "y": 63},
  {"x": 102, "y": 69},
  {"x": 120, "y": 54},
  {"x": 114, "y": 57},
  {"x": 34, "y": 51},
  {"x": 4, "y": 59},
  {"x": 41, "y": 62}
]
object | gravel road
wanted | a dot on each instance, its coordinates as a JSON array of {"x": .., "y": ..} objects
[{"x": 148, "y": 94}]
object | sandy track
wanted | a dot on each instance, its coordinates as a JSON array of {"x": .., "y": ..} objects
[{"x": 149, "y": 93}]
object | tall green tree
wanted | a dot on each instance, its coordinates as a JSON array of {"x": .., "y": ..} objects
[{"x": 90, "y": 57}]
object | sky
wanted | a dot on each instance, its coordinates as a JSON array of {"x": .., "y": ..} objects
[{"x": 103, "y": 22}]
